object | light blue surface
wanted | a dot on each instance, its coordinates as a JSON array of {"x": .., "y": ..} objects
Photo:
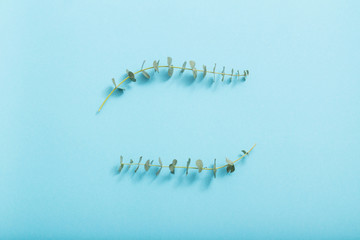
[{"x": 300, "y": 106}]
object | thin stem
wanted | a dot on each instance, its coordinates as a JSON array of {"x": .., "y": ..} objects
[
  {"x": 237, "y": 75},
  {"x": 154, "y": 165}
]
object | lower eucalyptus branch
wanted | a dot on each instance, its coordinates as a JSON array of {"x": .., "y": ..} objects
[{"x": 230, "y": 164}]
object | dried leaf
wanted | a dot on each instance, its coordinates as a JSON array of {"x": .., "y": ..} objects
[
  {"x": 172, "y": 166},
  {"x": 223, "y": 74},
  {"x": 194, "y": 72},
  {"x": 113, "y": 80},
  {"x": 183, "y": 67},
  {"x": 169, "y": 61},
  {"x": 214, "y": 72},
  {"x": 171, "y": 71},
  {"x": 131, "y": 75},
  {"x": 229, "y": 161},
  {"x": 138, "y": 164},
  {"x": 121, "y": 164},
  {"x": 204, "y": 67},
  {"x": 187, "y": 166},
  {"x": 199, "y": 164},
  {"x": 156, "y": 66},
  {"x": 214, "y": 168},
  {"x": 158, "y": 172},
  {"x": 147, "y": 165},
  {"x": 192, "y": 64}
]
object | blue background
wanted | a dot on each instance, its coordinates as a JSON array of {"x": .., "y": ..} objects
[{"x": 300, "y": 105}]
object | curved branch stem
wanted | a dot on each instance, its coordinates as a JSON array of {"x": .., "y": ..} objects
[
  {"x": 226, "y": 74},
  {"x": 205, "y": 168}
]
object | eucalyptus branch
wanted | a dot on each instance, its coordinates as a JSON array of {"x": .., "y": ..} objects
[
  {"x": 230, "y": 166},
  {"x": 192, "y": 68}
]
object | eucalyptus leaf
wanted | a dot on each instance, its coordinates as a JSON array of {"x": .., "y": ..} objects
[
  {"x": 156, "y": 66},
  {"x": 172, "y": 166},
  {"x": 229, "y": 161},
  {"x": 183, "y": 67},
  {"x": 142, "y": 66},
  {"x": 138, "y": 164},
  {"x": 145, "y": 74},
  {"x": 232, "y": 73},
  {"x": 113, "y": 81},
  {"x": 169, "y": 61},
  {"x": 199, "y": 165},
  {"x": 223, "y": 74},
  {"x": 194, "y": 72},
  {"x": 161, "y": 166},
  {"x": 131, "y": 75},
  {"x": 244, "y": 152},
  {"x": 147, "y": 165},
  {"x": 204, "y": 67},
  {"x": 192, "y": 63},
  {"x": 214, "y": 73},
  {"x": 238, "y": 75},
  {"x": 187, "y": 166},
  {"x": 171, "y": 71},
  {"x": 230, "y": 168},
  {"x": 121, "y": 164},
  {"x": 214, "y": 168},
  {"x": 130, "y": 164}
]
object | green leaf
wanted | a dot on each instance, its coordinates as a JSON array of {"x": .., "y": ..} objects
[
  {"x": 131, "y": 75},
  {"x": 131, "y": 162},
  {"x": 138, "y": 164},
  {"x": 204, "y": 67},
  {"x": 244, "y": 152},
  {"x": 161, "y": 165},
  {"x": 172, "y": 166},
  {"x": 192, "y": 64},
  {"x": 214, "y": 72},
  {"x": 147, "y": 165},
  {"x": 171, "y": 71},
  {"x": 194, "y": 73},
  {"x": 199, "y": 165},
  {"x": 230, "y": 167},
  {"x": 145, "y": 74},
  {"x": 121, "y": 164},
  {"x": 214, "y": 168},
  {"x": 232, "y": 72},
  {"x": 113, "y": 81},
  {"x": 169, "y": 61},
  {"x": 223, "y": 74},
  {"x": 156, "y": 65},
  {"x": 187, "y": 166},
  {"x": 183, "y": 67}
]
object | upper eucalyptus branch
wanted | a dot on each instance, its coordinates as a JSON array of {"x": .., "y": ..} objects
[{"x": 131, "y": 75}]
